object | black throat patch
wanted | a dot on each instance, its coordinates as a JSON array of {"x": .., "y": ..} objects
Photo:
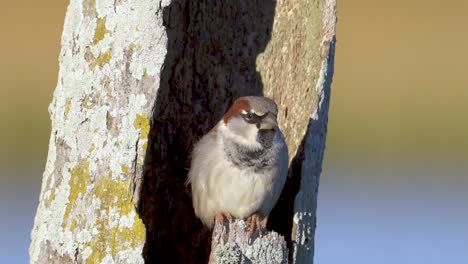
[{"x": 259, "y": 159}]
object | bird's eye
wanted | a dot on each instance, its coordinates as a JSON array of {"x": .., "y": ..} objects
[{"x": 249, "y": 116}]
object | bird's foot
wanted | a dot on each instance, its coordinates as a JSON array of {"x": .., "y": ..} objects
[
  {"x": 221, "y": 216},
  {"x": 255, "y": 223}
]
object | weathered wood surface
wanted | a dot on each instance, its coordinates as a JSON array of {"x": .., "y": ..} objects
[{"x": 232, "y": 243}]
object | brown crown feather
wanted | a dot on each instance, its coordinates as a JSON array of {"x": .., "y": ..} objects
[{"x": 236, "y": 108}]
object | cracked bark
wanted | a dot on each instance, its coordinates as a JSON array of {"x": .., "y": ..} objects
[{"x": 139, "y": 83}]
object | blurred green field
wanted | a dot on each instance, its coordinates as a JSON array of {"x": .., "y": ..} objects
[{"x": 399, "y": 91}]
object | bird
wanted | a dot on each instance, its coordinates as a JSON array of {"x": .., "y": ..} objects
[{"x": 239, "y": 168}]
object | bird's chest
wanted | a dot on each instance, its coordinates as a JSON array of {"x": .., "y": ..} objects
[
  {"x": 242, "y": 192},
  {"x": 244, "y": 181}
]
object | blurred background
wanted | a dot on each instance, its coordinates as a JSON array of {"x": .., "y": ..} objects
[{"x": 394, "y": 187}]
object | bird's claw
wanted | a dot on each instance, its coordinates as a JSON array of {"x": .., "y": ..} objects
[
  {"x": 254, "y": 223},
  {"x": 221, "y": 216}
]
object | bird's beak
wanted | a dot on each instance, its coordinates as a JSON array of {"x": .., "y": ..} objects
[{"x": 268, "y": 122}]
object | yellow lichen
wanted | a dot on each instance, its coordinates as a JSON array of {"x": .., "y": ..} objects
[
  {"x": 132, "y": 47},
  {"x": 124, "y": 168},
  {"x": 105, "y": 81},
  {"x": 52, "y": 195},
  {"x": 142, "y": 122},
  {"x": 100, "y": 31},
  {"x": 87, "y": 102},
  {"x": 106, "y": 190},
  {"x": 92, "y": 148},
  {"x": 112, "y": 240},
  {"x": 139, "y": 231},
  {"x": 112, "y": 194},
  {"x": 67, "y": 106},
  {"x": 103, "y": 59},
  {"x": 79, "y": 180},
  {"x": 73, "y": 225}
]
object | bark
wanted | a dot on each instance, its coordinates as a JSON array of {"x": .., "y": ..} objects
[
  {"x": 139, "y": 83},
  {"x": 233, "y": 244}
]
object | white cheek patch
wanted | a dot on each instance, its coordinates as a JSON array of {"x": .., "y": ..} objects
[
  {"x": 243, "y": 132},
  {"x": 251, "y": 133}
]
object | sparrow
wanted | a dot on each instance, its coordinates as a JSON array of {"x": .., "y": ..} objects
[{"x": 238, "y": 169}]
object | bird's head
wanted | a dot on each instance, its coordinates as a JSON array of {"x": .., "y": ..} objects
[{"x": 251, "y": 116}]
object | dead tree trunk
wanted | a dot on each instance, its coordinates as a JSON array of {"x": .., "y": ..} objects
[{"x": 139, "y": 83}]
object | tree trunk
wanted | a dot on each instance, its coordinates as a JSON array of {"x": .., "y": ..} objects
[{"x": 139, "y": 83}]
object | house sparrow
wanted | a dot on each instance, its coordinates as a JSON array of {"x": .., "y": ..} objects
[{"x": 239, "y": 168}]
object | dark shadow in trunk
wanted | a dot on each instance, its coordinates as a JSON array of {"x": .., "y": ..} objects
[{"x": 212, "y": 48}]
